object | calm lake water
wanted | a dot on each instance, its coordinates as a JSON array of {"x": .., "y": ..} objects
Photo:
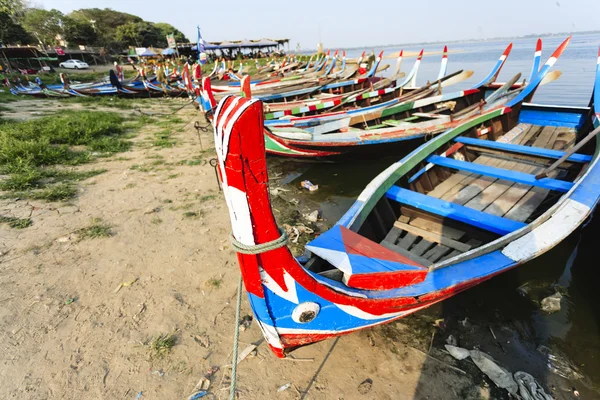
[{"x": 511, "y": 299}]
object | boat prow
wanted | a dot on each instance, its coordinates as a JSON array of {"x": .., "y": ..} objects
[{"x": 501, "y": 189}]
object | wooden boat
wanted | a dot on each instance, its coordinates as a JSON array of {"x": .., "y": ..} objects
[
  {"x": 384, "y": 129},
  {"x": 307, "y": 87},
  {"x": 495, "y": 193}
]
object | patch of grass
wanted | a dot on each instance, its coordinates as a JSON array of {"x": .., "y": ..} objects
[
  {"x": 130, "y": 185},
  {"x": 28, "y": 178},
  {"x": 172, "y": 176},
  {"x": 169, "y": 121},
  {"x": 98, "y": 229},
  {"x": 17, "y": 223},
  {"x": 195, "y": 161},
  {"x": 163, "y": 139},
  {"x": 29, "y": 148},
  {"x": 186, "y": 206},
  {"x": 6, "y": 96},
  {"x": 109, "y": 145},
  {"x": 156, "y": 220},
  {"x": 59, "y": 192},
  {"x": 161, "y": 345},
  {"x": 167, "y": 201},
  {"x": 141, "y": 168},
  {"x": 104, "y": 101},
  {"x": 193, "y": 214},
  {"x": 214, "y": 283},
  {"x": 208, "y": 197}
]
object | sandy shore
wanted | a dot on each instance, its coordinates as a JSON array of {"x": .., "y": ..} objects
[{"x": 77, "y": 314}]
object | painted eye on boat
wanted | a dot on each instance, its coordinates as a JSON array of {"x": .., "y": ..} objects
[{"x": 305, "y": 312}]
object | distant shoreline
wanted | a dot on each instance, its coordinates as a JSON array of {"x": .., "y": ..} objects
[{"x": 465, "y": 41}]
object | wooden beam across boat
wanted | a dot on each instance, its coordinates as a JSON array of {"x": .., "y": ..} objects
[
  {"x": 500, "y": 173},
  {"x": 527, "y": 150},
  {"x": 479, "y": 219}
]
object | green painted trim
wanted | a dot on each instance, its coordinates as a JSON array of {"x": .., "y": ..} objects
[{"x": 397, "y": 109}]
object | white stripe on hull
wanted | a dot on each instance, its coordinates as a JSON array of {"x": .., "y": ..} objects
[{"x": 549, "y": 234}]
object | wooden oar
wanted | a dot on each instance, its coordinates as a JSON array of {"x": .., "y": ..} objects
[
  {"x": 568, "y": 154},
  {"x": 550, "y": 77}
]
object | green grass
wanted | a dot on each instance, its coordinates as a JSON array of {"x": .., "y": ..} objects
[
  {"x": 209, "y": 197},
  {"x": 163, "y": 139},
  {"x": 103, "y": 101},
  {"x": 17, "y": 223},
  {"x": 161, "y": 345},
  {"x": 59, "y": 192},
  {"x": 29, "y": 150},
  {"x": 6, "y": 96},
  {"x": 193, "y": 214},
  {"x": 214, "y": 283},
  {"x": 98, "y": 229}
]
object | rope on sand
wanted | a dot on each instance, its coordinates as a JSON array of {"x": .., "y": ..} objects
[{"x": 236, "y": 336}]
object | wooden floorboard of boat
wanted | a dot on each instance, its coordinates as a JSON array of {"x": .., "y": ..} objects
[
  {"x": 421, "y": 248},
  {"x": 437, "y": 252},
  {"x": 421, "y": 260},
  {"x": 521, "y": 201},
  {"x": 432, "y": 237},
  {"x": 437, "y": 228},
  {"x": 480, "y": 192},
  {"x": 407, "y": 241},
  {"x": 472, "y": 184}
]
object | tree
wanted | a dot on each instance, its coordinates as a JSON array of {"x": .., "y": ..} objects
[
  {"x": 12, "y": 8},
  {"x": 105, "y": 23},
  {"x": 140, "y": 34},
  {"x": 128, "y": 35},
  {"x": 76, "y": 31},
  {"x": 11, "y": 32},
  {"x": 167, "y": 29},
  {"x": 43, "y": 24}
]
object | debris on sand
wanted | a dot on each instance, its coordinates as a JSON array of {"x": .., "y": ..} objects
[
  {"x": 500, "y": 376},
  {"x": 294, "y": 232},
  {"x": 365, "y": 386},
  {"x": 558, "y": 364},
  {"x": 451, "y": 340},
  {"x": 457, "y": 352},
  {"x": 529, "y": 388},
  {"x": 285, "y": 387},
  {"x": 126, "y": 284},
  {"x": 309, "y": 185},
  {"x": 245, "y": 322},
  {"x": 312, "y": 217},
  {"x": 200, "y": 390},
  {"x": 276, "y": 191},
  {"x": 551, "y": 304},
  {"x": 246, "y": 352}
]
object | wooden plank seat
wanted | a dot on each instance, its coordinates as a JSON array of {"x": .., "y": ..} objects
[
  {"x": 487, "y": 194},
  {"x": 454, "y": 211},
  {"x": 364, "y": 263},
  {"x": 527, "y": 150},
  {"x": 501, "y": 173}
]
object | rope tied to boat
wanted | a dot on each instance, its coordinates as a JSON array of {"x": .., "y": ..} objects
[{"x": 259, "y": 248}]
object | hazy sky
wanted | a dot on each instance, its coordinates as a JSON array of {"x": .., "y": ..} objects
[{"x": 355, "y": 23}]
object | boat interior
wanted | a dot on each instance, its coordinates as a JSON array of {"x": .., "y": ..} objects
[{"x": 476, "y": 188}]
